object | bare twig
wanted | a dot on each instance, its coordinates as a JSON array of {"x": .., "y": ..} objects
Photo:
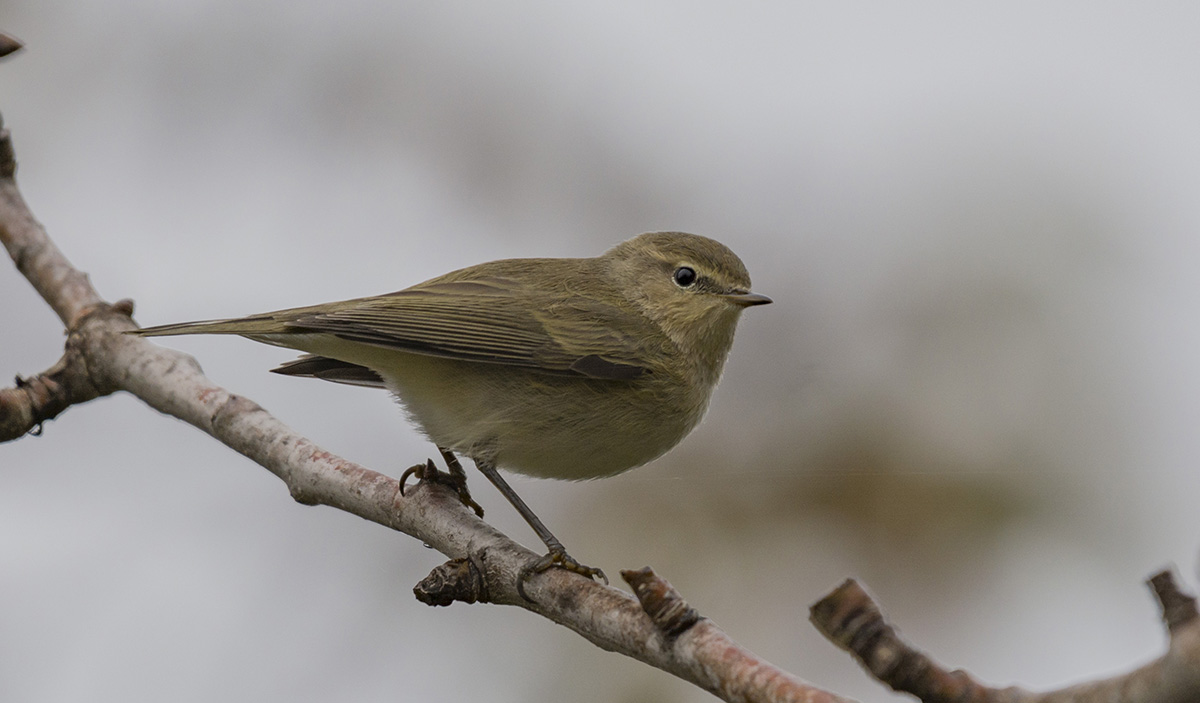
[
  {"x": 852, "y": 620},
  {"x": 65, "y": 288},
  {"x": 9, "y": 44},
  {"x": 1178, "y": 608}
]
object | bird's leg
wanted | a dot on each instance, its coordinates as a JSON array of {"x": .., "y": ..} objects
[
  {"x": 557, "y": 554},
  {"x": 456, "y": 478}
]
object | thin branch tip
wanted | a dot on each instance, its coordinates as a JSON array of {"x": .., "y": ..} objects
[
  {"x": 8, "y": 155},
  {"x": 9, "y": 44},
  {"x": 1178, "y": 608},
  {"x": 851, "y": 619}
]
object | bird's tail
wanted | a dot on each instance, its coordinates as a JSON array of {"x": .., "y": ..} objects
[{"x": 255, "y": 325}]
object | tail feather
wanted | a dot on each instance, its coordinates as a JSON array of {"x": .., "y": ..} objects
[
  {"x": 326, "y": 369},
  {"x": 244, "y": 326}
]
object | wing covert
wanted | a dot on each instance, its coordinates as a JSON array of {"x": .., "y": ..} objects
[{"x": 493, "y": 320}]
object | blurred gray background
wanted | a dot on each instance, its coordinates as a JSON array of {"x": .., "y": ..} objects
[{"x": 977, "y": 390}]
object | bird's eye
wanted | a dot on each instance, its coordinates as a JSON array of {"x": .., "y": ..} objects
[{"x": 684, "y": 276}]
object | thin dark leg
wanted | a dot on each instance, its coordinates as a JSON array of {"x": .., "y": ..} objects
[{"x": 557, "y": 554}]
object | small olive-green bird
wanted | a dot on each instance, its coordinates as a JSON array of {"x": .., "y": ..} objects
[{"x": 562, "y": 368}]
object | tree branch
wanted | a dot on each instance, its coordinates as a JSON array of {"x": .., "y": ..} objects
[
  {"x": 34, "y": 400},
  {"x": 736, "y": 674},
  {"x": 850, "y": 619},
  {"x": 101, "y": 359}
]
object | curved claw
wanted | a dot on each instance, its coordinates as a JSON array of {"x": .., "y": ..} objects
[
  {"x": 429, "y": 472},
  {"x": 559, "y": 558},
  {"x": 419, "y": 470}
]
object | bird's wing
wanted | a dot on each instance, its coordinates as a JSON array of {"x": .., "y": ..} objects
[{"x": 492, "y": 320}]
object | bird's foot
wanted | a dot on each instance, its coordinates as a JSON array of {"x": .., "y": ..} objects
[
  {"x": 456, "y": 480},
  {"x": 557, "y": 556}
]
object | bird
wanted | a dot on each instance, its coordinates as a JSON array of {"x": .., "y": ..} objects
[{"x": 567, "y": 368}]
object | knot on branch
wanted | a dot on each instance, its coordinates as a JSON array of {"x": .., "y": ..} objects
[{"x": 456, "y": 580}]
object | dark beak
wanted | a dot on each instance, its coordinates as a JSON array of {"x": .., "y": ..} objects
[{"x": 747, "y": 299}]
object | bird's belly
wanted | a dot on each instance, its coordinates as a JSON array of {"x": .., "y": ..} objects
[
  {"x": 541, "y": 425},
  {"x": 532, "y": 423}
]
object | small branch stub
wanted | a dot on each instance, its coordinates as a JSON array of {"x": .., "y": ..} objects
[{"x": 669, "y": 612}]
